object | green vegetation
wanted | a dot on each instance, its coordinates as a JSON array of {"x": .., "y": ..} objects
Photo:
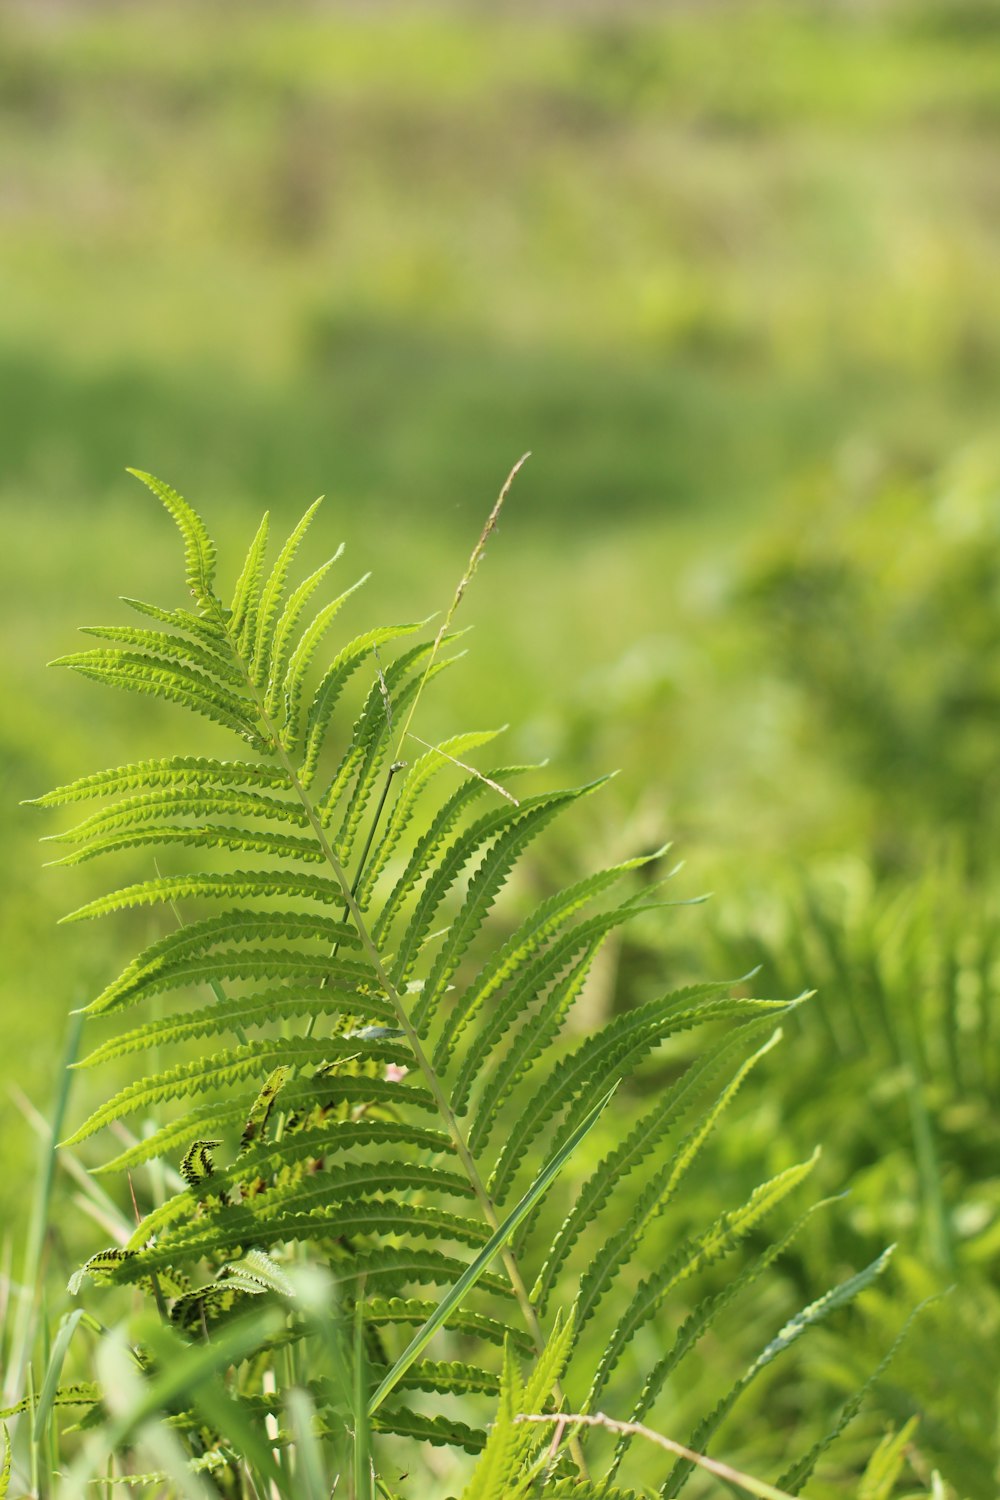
[
  {"x": 327, "y": 1042},
  {"x": 729, "y": 271}
]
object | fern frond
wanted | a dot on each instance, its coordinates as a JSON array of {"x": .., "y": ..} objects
[
  {"x": 515, "y": 823},
  {"x": 239, "y": 1014},
  {"x": 577, "y": 1079},
  {"x": 700, "y": 1319},
  {"x": 535, "y": 1037},
  {"x": 284, "y": 640},
  {"x": 207, "y": 658},
  {"x": 189, "y": 802},
  {"x": 159, "y": 677},
  {"x": 657, "y": 1191},
  {"x": 428, "y": 847},
  {"x": 182, "y": 772},
  {"x": 200, "y": 836},
  {"x": 387, "y": 1268},
  {"x": 691, "y": 1256},
  {"x": 440, "y": 1431},
  {"x": 80, "y": 1393},
  {"x": 209, "y": 630},
  {"x": 534, "y": 814},
  {"x": 302, "y": 1209},
  {"x": 296, "y": 1137},
  {"x": 504, "y": 1471},
  {"x": 239, "y": 886},
  {"x": 540, "y": 1022},
  {"x": 243, "y": 609},
  {"x": 542, "y": 924},
  {"x": 412, "y": 1312},
  {"x": 309, "y": 738},
  {"x": 450, "y": 1377},
  {"x": 293, "y": 658},
  {"x": 354, "y": 1180},
  {"x": 340, "y": 1089},
  {"x": 654, "y": 1127},
  {"x": 271, "y": 599},
  {"x": 239, "y": 925},
  {"x": 232, "y": 1066},
  {"x": 799, "y": 1474},
  {"x": 793, "y": 1330},
  {"x": 367, "y": 752},
  {"x": 199, "y": 549}
]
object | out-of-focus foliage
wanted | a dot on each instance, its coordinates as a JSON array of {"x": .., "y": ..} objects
[
  {"x": 883, "y": 607},
  {"x": 729, "y": 270}
]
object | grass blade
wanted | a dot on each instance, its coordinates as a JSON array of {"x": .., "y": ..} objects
[{"x": 467, "y": 1281}]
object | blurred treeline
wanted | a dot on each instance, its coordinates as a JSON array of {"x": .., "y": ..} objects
[{"x": 729, "y": 270}]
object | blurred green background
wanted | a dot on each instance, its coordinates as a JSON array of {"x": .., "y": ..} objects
[{"x": 729, "y": 270}]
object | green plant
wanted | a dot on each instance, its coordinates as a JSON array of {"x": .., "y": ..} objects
[{"x": 376, "y": 1055}]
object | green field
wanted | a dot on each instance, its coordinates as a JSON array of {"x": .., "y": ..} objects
[{"x": 729, "y": 272}]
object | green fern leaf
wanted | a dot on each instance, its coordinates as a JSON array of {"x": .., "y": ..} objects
[
  {"x": 369, "y": 742},
  {"x": 386, "y": 1268},
  {"x": 271, "y": 598},
  {"x": 193, "y": 802},
  {"x": 361, "y": 765},
  {"x": 801, "y": 1471},
  {"x": 325, "y": 699},
  {"x": 541, "y": 925},
  {"x": 284, "y": 641},
  {"x": 576, "y": 1080},
  {"x": 150, "y": 968},
  {"x": 233, "y": 1066},
  {"x": 181, "y": 772},
  {"x": 441, "y": 1431},
  {"x": 505, "y": 1471},
  {"x": 428, "y": 847},
  {"x": 300, "y": 660},
  {"x": 412, "y": 1312},
  {"x": 238, "y": 886},
  {"x": 690, "y": 1257},
  {"x": 237, "y": 1015},
  {"x": 243, "y": 609},
  {"x": 645, "y": 1137},
  {"x": 410, "y": 796},
  {"x": 793, "y": 1330},
  {"x": 340, "y": 1183},
  {"x": 498, "y": 1467},
  {"x": 199, "y": 549},
  {"x": 303, "y": 1094},
  {"x": 289, "y": 1139},
  {"x": 210, "y": 631},
  {"x": 700, "y": 1320},
  {"x": 160, "y": 678},
  {"x": 473, "y": 841},
  {"x": 200, "y": 836},
  {"x": 158, "y": 643},
  {"x": 658, "y": 1189},
  {"x": 535, "y": 1035},
  {"x": 81, "y": 1393},
  {"x": 302, "y": 1210},
  {"x": 540, "y": 1023},
  {"x": 448, "y": 1378},
  {"x": 495, "y": 867}
]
